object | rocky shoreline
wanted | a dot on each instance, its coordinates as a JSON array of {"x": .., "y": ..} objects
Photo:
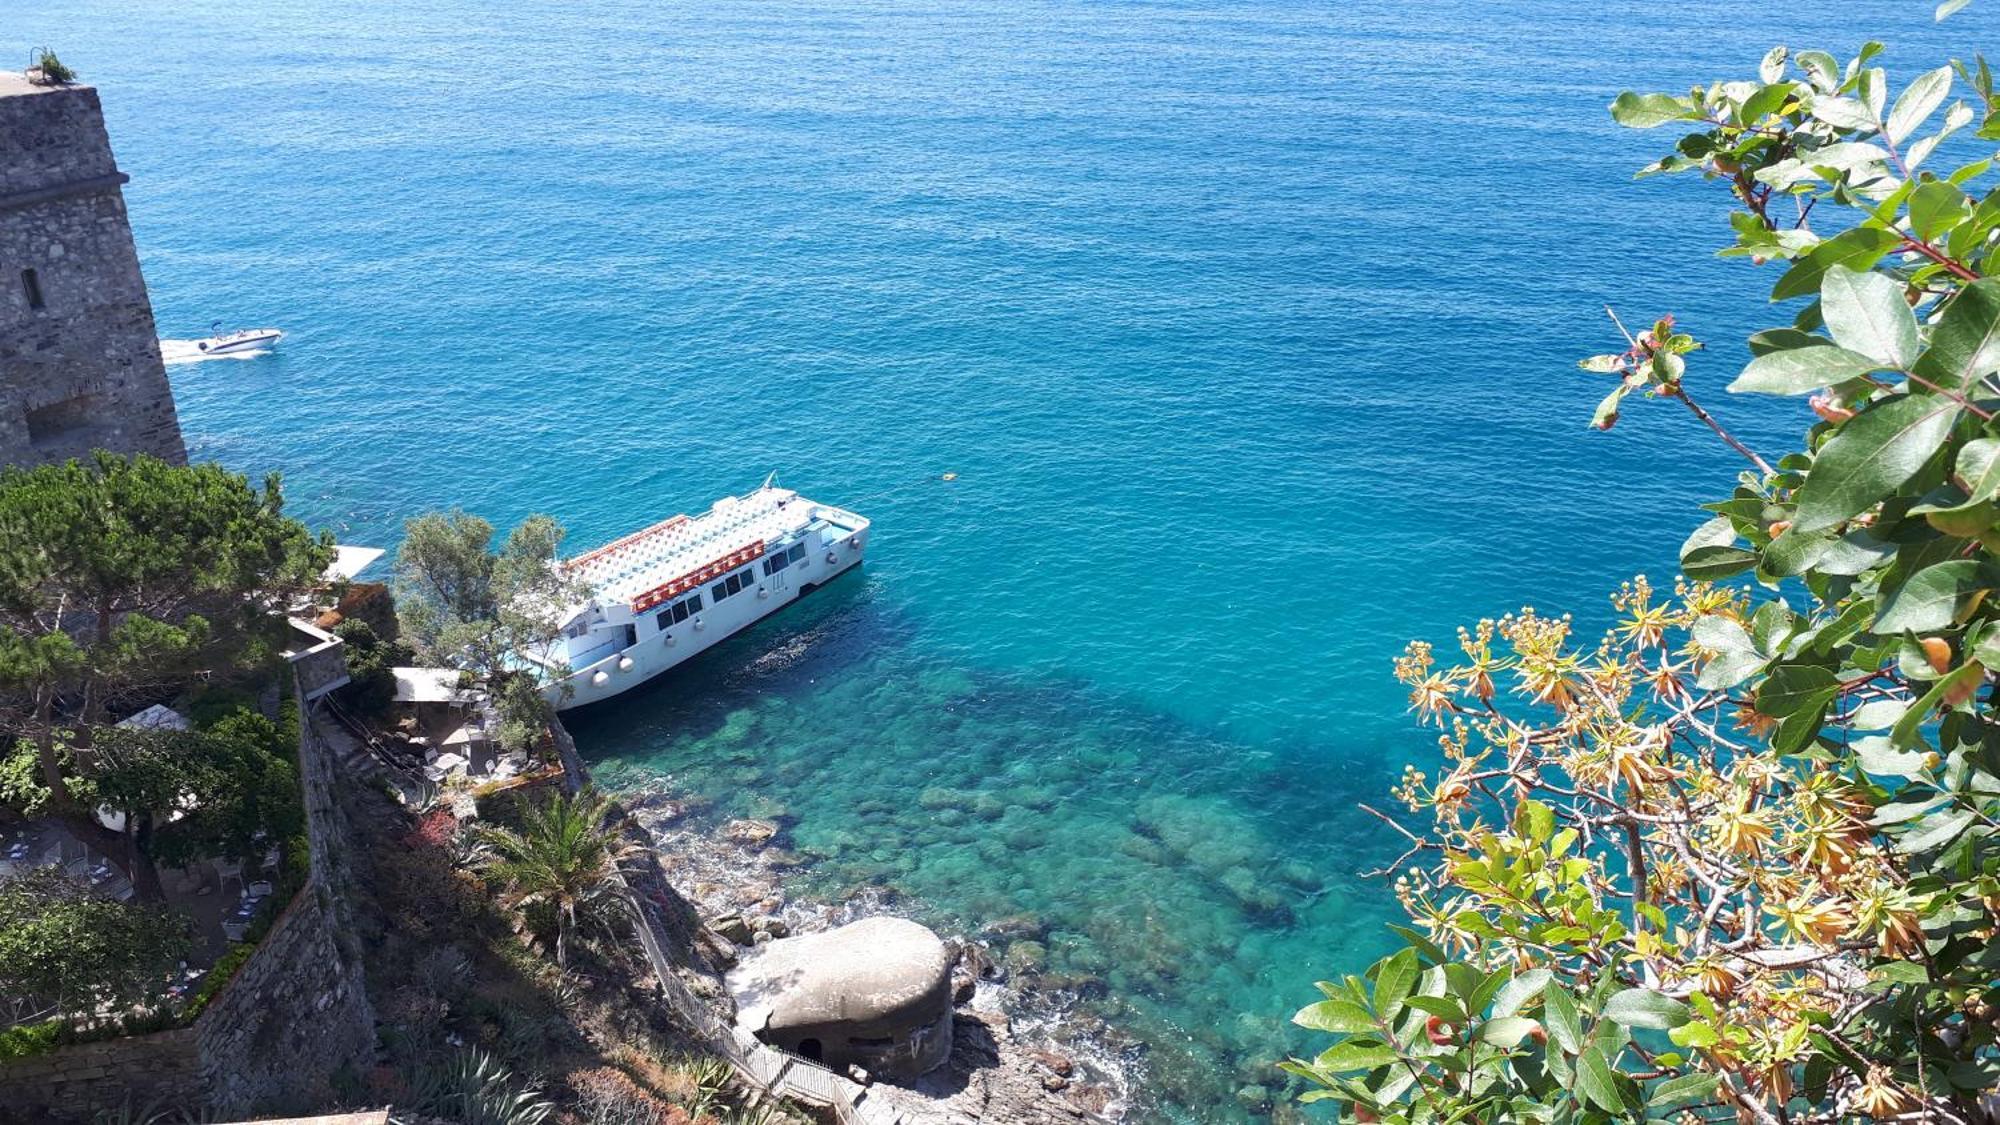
[{"x": 1022, "y": 1051}]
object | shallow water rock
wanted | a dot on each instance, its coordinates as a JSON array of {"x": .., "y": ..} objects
[
  {"x": 734, "y": 927},
  {"x": 939, "y": 797},
  {"x": 753, "y": 832},
  {"x": 1300, "y": 876},
  {"x": 1016, "y": 927},
  {"x": 1025, "y": 959}
]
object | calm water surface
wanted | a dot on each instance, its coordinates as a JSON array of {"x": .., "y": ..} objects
[{"x": 1247, "y": 327}]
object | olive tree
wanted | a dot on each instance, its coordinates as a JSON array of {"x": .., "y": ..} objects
[{"x": 1739, "y": 858}]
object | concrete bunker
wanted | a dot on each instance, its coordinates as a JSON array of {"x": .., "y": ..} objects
[{"x": 874, "y": 994}]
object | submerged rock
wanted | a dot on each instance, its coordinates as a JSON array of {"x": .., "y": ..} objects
[
  {"x": 752, "y": 832},
  {"x": 1026, "y": 958}
]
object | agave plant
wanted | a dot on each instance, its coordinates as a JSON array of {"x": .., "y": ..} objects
[
  {"x": 560, "y": 869},
  {"x": 475, "y": 1088}
]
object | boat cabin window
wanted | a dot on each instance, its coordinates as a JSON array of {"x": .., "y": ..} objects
[
  {"x": 741, "y": 580},
  {"x": 779, "y": 560},
  {"x": 32, "y": 286},
  {"x": 679, "y": 611}
]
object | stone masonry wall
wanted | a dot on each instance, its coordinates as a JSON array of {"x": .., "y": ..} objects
[
  {"x": 79, "y": 353},
  {"x": 76, "y": 1082},
  {"x": 298, "y": 1012}
]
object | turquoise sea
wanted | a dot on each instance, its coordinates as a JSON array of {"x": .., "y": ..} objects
[{"x": 1247, "y": 327}]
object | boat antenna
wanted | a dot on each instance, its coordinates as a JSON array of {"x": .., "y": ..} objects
[{"x": 768, "y": 480}]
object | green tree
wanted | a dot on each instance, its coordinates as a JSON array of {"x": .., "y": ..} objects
[
  {"x": 489, "y": 613},
  {"x": 122, "y": 578},
  {"x": 371, "y": 661},
  {"x": 230, "y": 790},
  {"x": 1740, "y": 859},
  {"x": 64, "y": 949},
  {"x": 559, "y": 869}
]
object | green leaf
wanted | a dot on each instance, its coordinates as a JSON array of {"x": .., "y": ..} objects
[
  {"x": 1680, "y": 1090},
  {"x": 1842, "y": 113},
  {"x": 1606, "y": 414},
  {"x": 1338, "y": 1016},
  {"x": 1516, "y": 993},
  {"x": 1918, "y": 101},
  {"x": 1394, "y": 977},
  {"x": 1736, "y": 659},
  {"x": 1425, "y": 947},
  {"x": 1821, "y": 69},
  {"x": 1355, "y": 1054},
  {"x": 1908, "y": 730},
  {"x": 1803, "y": 370},
  {"x": 1764, "y": 102},
  {"x": 1936, "y": 207},
  {"x": 1900, "y": 812},
  {"x": 1602, "y": 364},
  {"x": 1794, "y": 553},
  {"x": 1444, "y": 1008},
  {"x": 1855, "y": 553},
  {"x": 1597, "y": 1083},
  {"x": 1859, "y": 248},
  {"x": 1717, "y": 531},
  {"x": 1783, "y": 340},
  {"x": 1872, "y": 455},
  {"x": 1978, "y": 468},
  {"x": 1934, "y": 832},
  {"x": 1643, "y": 1007},
  {"x": 1877, "y": 755},
  {"x": 1795, "y": 687},
  {"x": 1772, "y": 67},
  {"x": 1877, "y": 714},
  {"x": 1866, "y": 313},
  {"x": 1535, "y": 821},
  {"x": 1505, "y": 1031},
  {"x": 1965, "y": 345},
  {"x": 1693, "y": 1035},
  {"x": 1565, "y": 1027},
  {"x": 1713, "y": 564},
  {"x": 1931, "y": 599},
  {"x": 1647, "y": 111}
]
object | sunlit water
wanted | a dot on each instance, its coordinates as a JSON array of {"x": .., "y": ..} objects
[{"x": 1247, "y": 327}]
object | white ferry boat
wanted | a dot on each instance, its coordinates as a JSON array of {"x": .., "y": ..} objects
[{"x": 661, "y": 595}]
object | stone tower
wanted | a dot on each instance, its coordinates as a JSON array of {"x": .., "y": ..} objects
[{"x": 79, "y": 356}]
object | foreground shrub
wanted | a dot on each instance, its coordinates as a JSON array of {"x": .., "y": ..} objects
[{"x": 1740, "y": 859}]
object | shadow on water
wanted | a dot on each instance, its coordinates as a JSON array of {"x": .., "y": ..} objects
[{"x": 1137, "y": 865}]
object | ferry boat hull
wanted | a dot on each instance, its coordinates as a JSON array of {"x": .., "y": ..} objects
[{"x": 618, "y": 643}]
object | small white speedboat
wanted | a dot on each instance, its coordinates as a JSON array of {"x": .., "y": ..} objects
[{"x": 247, "y": 340}]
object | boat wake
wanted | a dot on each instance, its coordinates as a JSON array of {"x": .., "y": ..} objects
[{"x": 189, "y": 351}]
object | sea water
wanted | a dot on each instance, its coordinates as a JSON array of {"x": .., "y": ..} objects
[{"x": 1248, "y": 329}]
